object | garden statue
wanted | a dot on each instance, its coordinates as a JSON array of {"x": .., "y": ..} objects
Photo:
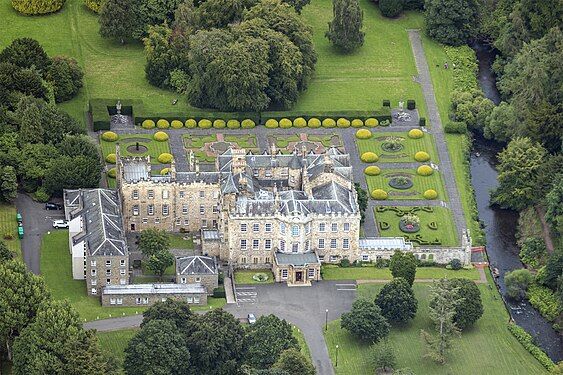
[
  {"x": 401, "y": 106},
  {"x": 137, "y": 146},
  {"x": 118, "y": 107}
]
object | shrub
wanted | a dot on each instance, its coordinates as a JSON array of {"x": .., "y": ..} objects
[
  {"x": 148, "y": 124},
  {"x": 385, "y": 123},
  {"x": 219, "y": 292},
  {"x": 379, "y": 194},
  {"x": 416, "y": 133},
  {"x": 455, "y": 127},
  {"x": 93, "y": 5},
  {"x": 160, "y": 136},
  {"x": 111, "y": 158},
  {"x": 272, "y": 123},
  {"x": 329, "y": 123},
  {"x": 285, "y": 123},
  {"x": 247, "y": 124},
  {"x": 544, "y": 300},
  {"x": 219, "y": 124},
  {"x": 204, "y": 123},
  {"x": 299, "y": 122},
  {"x": 314, "y": 122},
  {"x": 233, "y": 124},
  {"x": 391, "y": 8},
  {"x": 42, "y": 196},
  {"x": 517, "y": 283},
  {"x": 112, "y": 173},
  {"x": 386, "y": 103},
  {"x": 343, "y": 122},
  {"x": 162, "y": 124},
  {"x": 372, "y": 170},
  {"x": 34, "y": 7},
  {"x": 363, "y": 134},
  {"x": 110, "y": 136},
  {"x": 164, "y": 171},
  {"x": 411, "y": 104},
  {"x": 345, "y": 263},
  {"x": 191, "y": 123},
  {"x": 165, "y": 158},
  {"x": 527, "y": 342},
  {"x": 369, "y": 157},
  {"x": 66, "y": 77},
  {"x": 455, "y": 264},
  {"x": 425, "y": 170},
  {"x": 371, "y": 122},
  {"x": 357, "y": 123},
  {"x": 421, "y": 156},
  {"x": 430, "y": 194},
  {"x": 422, "y": 121},
  {"x": 177, "y": 124}
]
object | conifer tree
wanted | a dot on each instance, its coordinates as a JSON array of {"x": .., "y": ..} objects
[{"x": 345, "y": 30}]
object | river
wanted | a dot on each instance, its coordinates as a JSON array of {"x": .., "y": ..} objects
[{"x": 501, "y": 225}]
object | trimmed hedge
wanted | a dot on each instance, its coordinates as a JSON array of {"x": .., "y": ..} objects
[
  {"x": 343, "y": 122},
  {"x": 527, "y": 342},
  {"x": 455, "y": 127},
  {"x": 205, "y": 124},
  {"x": 148, "y": 124},
  {"x": 300, "y": 122},
  {"x": 247, "y": 123},
  {"x": 191, "y": 123},
  {"x": 314, "y": 122},
  {"x": 425, "y": 170},
  {"x": 372, "y": 170},
  {"x": 411, "y": 104},
  {"x": 272, "y": 123},
  {"x": 421, "y": 156},
  {"x": 379, "y": 194},
  {"x": 369, "y": 157},
  {"x": 162, "y": 124},
  {"x": 328, "y": 123},
  {"x": 177, "y": 124},
  {"x": 111, "y": 158},
  {"x": 430, "y": 194},
  {"x": 371, "y": 122},
  {"x": 160, "y": 136},
  {"x": 357, "y": 123},
  {"x": 422, "y": 121},
  {"x": 285, "y": 123},
  {"x": 233, "y": 124},
  {"x": 416, "y": 133},
  {"x": 101, "y": 109},
  {"x": 35, "y": 7},
  {"x": 363, "y": 134},
  {"x": 219, "y": 124},
  {"x": 386, "y": 103},
  {"x": 165, "y": 158},
  {"x": 109, "y": 136},
  {"x": 112, "y": 173}
]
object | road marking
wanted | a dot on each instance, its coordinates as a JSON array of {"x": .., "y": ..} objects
[
  {"x": 246, "y": 293},
  {"x": 246, "y": 287},
  {"x": 347, "y": 290}
]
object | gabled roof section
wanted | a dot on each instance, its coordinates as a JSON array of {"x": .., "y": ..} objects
[{"x": 196, "y": 265}]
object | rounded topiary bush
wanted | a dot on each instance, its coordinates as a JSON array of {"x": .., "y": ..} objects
[
  {"x": 272, "y": 123},
  {"x": 425, "y": 170},
  {"x": 300, "y": 122},
  {"x": 416, "y": 133},
  {"x": 233, "y": 124},
  {"x": 329, "y": 123},
  {"x": 35, "y": 7},
  {"x": 112, "y": 173},
  {"x": 165, "y": 158},
  {"x": 111, "y": 158},
  {"x": 372, "y": 170},
  {"x": 343, "y": 122},
  {"x": 248, "y": 124},
  {"x": 363, "y": 134},
  {"x": 110, "y": 136},
  {"x": 219, "y": 124},
  {"x": 430, "y": 194},
  {"x": 357, "y": 123},
  {"x": 421, "y": 156},
  {"x": 379, "y": 194},
  {"x": 162, "y": 124},
  {"x": 164, "y": 171},
  {"x": 191, "y": 123},
  {"x": 371, "y": 122},
  {"x": 160, "y": 136},
  {"x": 177, "y": 124},
  {"x": 204, "y": 123},
  {"x": 314, "y": 122},
  {"x": 369, "y": 157},
  {"x": 148, "y": 124},
  {"x": 285, "y": 123}
]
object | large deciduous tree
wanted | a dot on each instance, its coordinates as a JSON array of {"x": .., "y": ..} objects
[
  {"x": 403, "y": 265},
  {"x": 177, "y": 311},
  {"x": 391, "y": 8},
  {"x": 8, "y": 184},
  {"x": 383, "y": 356},
  {"x": 517, "y": 283},
  {"x": 397, "y": 301},
  {"x": 159, "y": 262},
  {"x": 121, "y": 19},
  {"x": 153, "y": 241},
  {"x": 66, "y": 76},
  {"x": 470, "y": 307},
  {"x": 451, "y": 22},
  {"x": 554, "y": 203},
  {"x": 293, "y": 362},
  {"x": 501, "y": 124},
  {"x": 72, "y": 173},
  {"x": 365, "y": 321},
  {"x": 345, "y": 29}
]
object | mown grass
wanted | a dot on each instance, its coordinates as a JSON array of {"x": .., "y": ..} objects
[
  {"x": 177, "y": 241},
  {"x": 154, "y": 148},
  {"x": 487, "y": 348},
  {"x": 303, "y": 347},
  {"x": 245, "y": 276},
  {"x": 420, "y": 184},
  {"x": 114, "y": 342},
  {"x": 9, "y": 228},
  {"x": 370, "y": 272},
  {"x": 405, "y": 155}
]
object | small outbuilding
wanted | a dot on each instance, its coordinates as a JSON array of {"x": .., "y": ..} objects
[{"x": 198, "y": 269}]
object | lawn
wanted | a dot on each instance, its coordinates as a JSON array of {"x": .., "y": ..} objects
[
  {"x": 9, "y": 227},
  {"x": 406, "y": 154},
  {"x": 441, "y": 216},
  {"x": 370, "y": 272},
  {"x": 177, "y": 241},
  {"x": 487, "y": 348},
  {"x": 154, "y": 148},
  {"x": 420, "y": 184},
  {"x": 115, "y": 342},
  {"x": 304, "y": 348},
  {"x": 245, "y": 276}
]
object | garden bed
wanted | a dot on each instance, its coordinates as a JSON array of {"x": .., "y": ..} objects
[
  {"x": 247, "y": 276},
  {"x": 129, "y": 141},
  {"x": 380, "y": 144},
  {"x": 414, "y": 190}
]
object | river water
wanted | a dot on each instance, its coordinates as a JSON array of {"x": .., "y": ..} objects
[{"x": 501, "y": 225}]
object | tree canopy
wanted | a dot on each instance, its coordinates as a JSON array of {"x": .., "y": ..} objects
[
  {"x": 451, "y": 22},
  {"x": 397, "y": 301},
  {"x": 345, "y": 29},
  {"x": 365, "y": 321},
  {"x": 403, "y": 265}
]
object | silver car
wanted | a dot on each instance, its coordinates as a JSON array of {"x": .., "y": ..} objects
[
  {"x": 59, "y": 224},
  {"x": 251, "y": 319}
]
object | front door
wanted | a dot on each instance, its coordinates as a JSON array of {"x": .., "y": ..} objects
[
  {"x": 132, "y": 226},
  {"x": 298, "y": 276}
]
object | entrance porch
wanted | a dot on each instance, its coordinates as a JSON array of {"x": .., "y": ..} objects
[{"x": 296, "y": 269}]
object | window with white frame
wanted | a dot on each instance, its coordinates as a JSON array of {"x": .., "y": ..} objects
[
  {"x": 333, "y": 258},
  {"x": 136, "y": 210},
  {"x": 308, "y": 228},
  {"x": 307, "y": 245},
  {"x": 255, "y": 244},
  {"x": 123, "y": 281},
  {"x": 243, "y": 260},
  {"x": 122, "y": 272},
  {"x": 92, "y": 263},
  {"x": 202, "y": 194},
  {"x": 108, "y": 272},
  {"x": 333, "y": 243},
  {"x": 282, "y": 228},
  {"x": 284, "y": 274},
  {"x": 311, "y": 273},
  {"x": 150, "y": 209},
  {"x": 201, "y": 209},
  {"x": 164, "y": 194},
  {"x": 204, "y": 223},
  {"x": 184, "y": 209},
  {"x": 243, "y": 227},
  {"x": 186, "y": 221},
  {"x": 165, "y": 210},
  {"x": 157, "y": 220},
  {"x": 150, "y": 194},
  {"x": 295, "y": 247},
  {"x": 93, "y": 272},
  {"x": 346, "y": 243},
  {"x": 282, "y": 245},
  {"x": 256, "y": 227},
  {"x": 243, "y": 244},
  {"x": 108, "y": 262},
  {"x": 321, "y": 258},
  {"x": 295, "y": 230},
  {"x": 108, "y": 281},
  {"x": 321, "y": 244},
  {"x": 334, "y": 227},
  {"x": 365, "y": 258},
  {"x": 268, "y": 227},
  {"x": 122, "y": 262},
  {"x": 145, "y": 300},
  {"x": 178, "y": 221},
  {"x": 183, "y": 280},
  {"x": 135, "y": 194},
  {"x": 346, "y": 227},
  {"x": 198, "y": 279},
  {"x": 215, "y": 195},
  {"x": 268, "y": 244},
  {"x": 93, "y": 282},
  {"x": 145, "y": 220},
  {"x": 190, "y": 299},
  {"x": 120, "y": 301},
  {"x": 322, "y": 227},
  {"x": 94, "y": 291},
  {"x": 196, "y": 299},
  {"x": 216, "y": 209},
  {"x": 182, "y": 193},
  {"x": 112, "y": 301}
]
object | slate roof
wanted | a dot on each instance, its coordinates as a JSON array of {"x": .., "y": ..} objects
[
  {"x": 196, "y": 265},
  {"x": 296, "y": 259}
]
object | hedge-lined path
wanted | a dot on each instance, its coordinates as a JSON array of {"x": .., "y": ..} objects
[{"x": 425, "y": 81}]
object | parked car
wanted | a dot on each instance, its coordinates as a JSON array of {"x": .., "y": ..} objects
[
  {"x": 60, "y": 224},
  {"x": 52, "y": 206},
  {"x": 251, "y": 318},
  {"x": 20, "y": 232},
  {"x": 19, "y": 218}
]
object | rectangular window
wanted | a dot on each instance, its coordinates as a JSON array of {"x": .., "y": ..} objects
[
  {"x": 204, "y": 223},
  {"x": 307, "y": 245},
  {"x": 321, "y": 243},
  {"x": 178, "y": 221},
  {"x": 93, "y": 272},
  {"x": 196, "y": 299},
  {"x": 145, "y": 300},
  {"x": 346, "y": 227},
  {"x": 157, "y": 220},
  {"x": 255, "y": 244},
  {"x": 183, "y": 280},
  {"x": 243, "y": 260},
  {"x": 333, "y": 243},
  {"x": 190, "y": 299},
  {"x": 136, "y": 210},
  {"x": 122, "y": 272},
  {"x": 182, "y": 194},
  {"x": 202, "y": 194},
  {"x": 186, "y": 221},
  {"x": 120, "y": 301},
  {"x": 145, "y": 220},
  {"x": 255, "y": 260},
  {"x": 92, "y": 263},
  {"x": 122, "y": 281},
  {"x": 334, "y": 227},
  {"x": 112, "y": 301},
  {"x": 282, "y": 245},
  {"x": 284, "y": 274},
  {"x": 321, "y": 258},
  {"x": 311, "y": 273},
  {"x": 150, "y": 209},
  {"x": 295, "y": 247},
  {"x": 333, "y": 258},
  {"x": 108, "y": 281},
  {"x": 202, "y": 209},
  {"x": 164, "y": 194},
  {"x": 94, "y": 291},
  {"x": 365, "y": 258},
  {"x": 282, "y": 228},
  {"x": 198, "y": 279},
  {"x": 150, "y": 194},
  {"x": 135, "y": 194},
  {"x": 295, "y": 230},
  {"x": 108, "y": 272},
  {"x": 215, "y": 209},
  {"x": 308, "y": 228},
  {"x": 322, "y": 227},
  {"x": 122, "y": 262},
  {"x": 215, "y": 195},
  {"x": 108, "y": 263},
  {"x": 268, "y": 244},
  {"x": 268, "y": 227},
  {"x": 243, "y": 227},
  {"x": 346, "y": 243},
  {"x": 93, "y": 282},
  {"x": 243, "y": 244},
  {"x": 165, "y": 210},
  {"x": 256, "y": 227},
  {"x": 184, "y": 209}
]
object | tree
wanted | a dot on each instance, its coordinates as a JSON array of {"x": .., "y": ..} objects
[
  {"x": 554, "y": 203},
  {"x": 5, "y": 253},
  {"x": 501, "y": 123},
  {"x": 159, "y": 12},
  {"x": 153, "y": 241},
  {"x": 177, "y": 311},
  {"x": 66, "y": 77},
  {"x": 517, "y": 283},
  {"x": 185, "y": 17},
  {"x": 391, "y": 8},
  {"x": 345, "y": 29},
  {"x": 553, "y": 269},
  {"x": 29, "y": 116},
  {"x": 519, "y": 167},
  {"x": 403, "y": 265},
  {"x": 26, "y": 53},
  {"x": 79, "y": 145},
  {"x": 21, "y": 294},
  {"x": 8, "y": 184},
  {"x": 533, "y": 252},
  {"x": 159, "y": 262},
  {"x": 298, "y": 5},
  {"x": 294, "y": 362},
  {"x": 267, "y": 339},
  {"x": 158, "y": 348},
  {"x": 451, "y": 22},
  {"x": 397, "y": 301},
  {"x": 56, "y": 343},
  {"x": 383, "y": 356},
  {"x": 121, "y": 19},
  {"x": 57, "y": 124},
  {"x": 72, "y": 173},
  {"x": 362, "y": 200},
  {"x": 365, "y": 321},
  {"x": 470, "y": 307},
  {"x": 220, "y": 13},
  {"x": 444, "y": 299}
]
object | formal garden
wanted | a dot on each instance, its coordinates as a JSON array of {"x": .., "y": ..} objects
[
  {"x": 399, "y": 147},
  {"x": 318, "y": 143},
  {"x": 206, "y": 148}
]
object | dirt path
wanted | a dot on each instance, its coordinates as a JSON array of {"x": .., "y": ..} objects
[{"x": 545, "y": 229}]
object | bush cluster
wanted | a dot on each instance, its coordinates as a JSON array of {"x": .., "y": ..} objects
[
  {"x": 219, "y": 124},
  {"x": 299, "y": 122},
  {"x": 416, "y": 133},
  {"x": 111, "y": 158},
  {"x": 391, "y": 8},
  {"x": 164, "y": 171},
  {"x": 425, "y": 170},
  {"x": 363, "y": 134},
  {"x": 93, "y": 5},
  {"x": 248, "y": 124},
  {"x": 369, "y": 157},
  {"x": 343, "y": 123},
  {"x": 545, "y": 301},
  {"x": 205, "y": 124},
  {"x": 285, "y": 123},
  {"x": 148, "y": 124},
  {"x": 329, "y": 123},
  {"x": 422, "y": 121},
  {"x": 233, "y": 124},
  {"x": 112, "y": 173},
  {"x": 160, "y": 136},
  {"x": 371, "y": 122},
  {"x": 455, "y": 127},
  {"x": 421, "y": 156},
  {"x": 527, "y": 342},
  {"x": 357, "y": 123},
  {"x": 379, "y": 194},
  {"x": 411, "y": 104},
  {"x": 165, "y": 158},
  {"x": 191, "y": 123},
  {"x": 162, "y": 124},
  {"x": 109, "y": 136},
  {"x": 35, "y": 7},
  {"x": 372, "y": 170},
  {"x": 430, "y": 194},
  {"x": 272, "y": 123},
  {"x": 177, "y": 124}
]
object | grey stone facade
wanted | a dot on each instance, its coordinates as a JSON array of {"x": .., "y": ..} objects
[{"x": 197, "y": 270}]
